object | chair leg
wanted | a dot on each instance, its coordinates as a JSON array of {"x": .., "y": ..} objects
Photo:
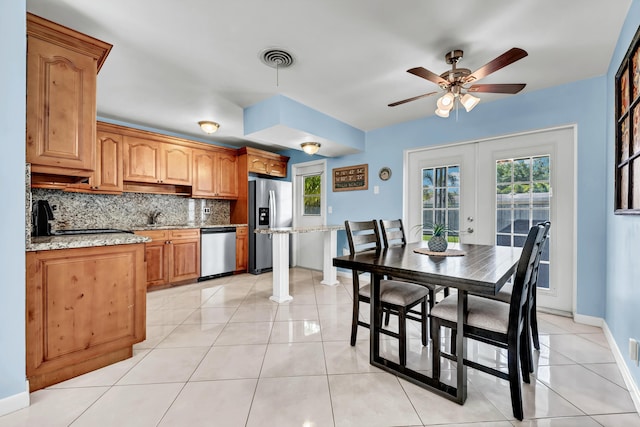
[
  {"x": 534, "y": 322},
  {"x": 435, "y": 342},
  {"x": 432, "y": 298},
  {"x": 402, "y": 328},
  {"x": 453, "y": 341},
  {"x": 387, "y": 315},
  {"x": 526, "y": 358},
  {"x": 446, "y": 292},
  {"x": 354, "y": 320},
  {"x": 514, "y": 383},
  {"x": 424, "y": 322}
]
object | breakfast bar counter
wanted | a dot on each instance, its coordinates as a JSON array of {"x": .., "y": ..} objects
[{"x": 281, "y": 256}]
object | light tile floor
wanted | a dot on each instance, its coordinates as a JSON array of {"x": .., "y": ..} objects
[{"x": 220, "y": 353}]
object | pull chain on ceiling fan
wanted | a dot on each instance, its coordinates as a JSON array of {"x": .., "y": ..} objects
[{"x": 457, "y": 81}]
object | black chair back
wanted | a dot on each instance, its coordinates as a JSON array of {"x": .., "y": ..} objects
[
  {"x": 362, "y": 236},
  {"x": 392, "y": 233}
]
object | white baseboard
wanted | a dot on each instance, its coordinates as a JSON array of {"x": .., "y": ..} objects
[
  {"x": 624, "y": 369},
  {"x": 589, "y": 320},
  {"x": 15, "y": 402}
]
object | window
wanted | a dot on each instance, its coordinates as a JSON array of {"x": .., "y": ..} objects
[
  {"x": 312, "y": 193},
  {"x": 441, "y": 200},
  {"x": 523, "y": 198}
]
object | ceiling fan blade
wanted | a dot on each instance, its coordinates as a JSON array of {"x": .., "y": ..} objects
[
  {"x": 507, "y": 58},
  {"x": 431, "y": 76},
  {"x": 404, "y": 101},
  {"x": 498, "y": 88}
]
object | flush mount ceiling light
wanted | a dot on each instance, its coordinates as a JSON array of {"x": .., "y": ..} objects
[
  {"x": 310, "y": 148},
  {"x": 208, "y": 127}
]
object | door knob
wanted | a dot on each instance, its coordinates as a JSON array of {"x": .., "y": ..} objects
[{"x": 469, "y": 230}]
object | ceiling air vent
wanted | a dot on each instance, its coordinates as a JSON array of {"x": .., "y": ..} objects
[{"x": 276, "y": 58}]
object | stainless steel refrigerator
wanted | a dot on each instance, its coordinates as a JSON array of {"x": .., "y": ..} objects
[{"x": 270, "y": 206}]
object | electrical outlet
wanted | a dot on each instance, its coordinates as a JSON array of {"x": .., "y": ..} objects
[{"x": 207, "y": 211}]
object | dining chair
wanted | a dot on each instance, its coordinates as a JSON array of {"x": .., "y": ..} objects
[
  {"x": 393, "y": 235},
  {"x": 504, "y": 295},
  {"x": 397, "y": 297},
  {"x": 495, "y": 323}
]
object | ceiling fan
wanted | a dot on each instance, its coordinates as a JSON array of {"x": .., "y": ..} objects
[{"x": 458, "y": 82}]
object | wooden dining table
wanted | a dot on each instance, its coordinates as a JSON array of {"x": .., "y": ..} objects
[{"x": 481, "y": 270}]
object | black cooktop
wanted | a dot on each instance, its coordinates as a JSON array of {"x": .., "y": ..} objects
[{"x": 89, "y": 231}]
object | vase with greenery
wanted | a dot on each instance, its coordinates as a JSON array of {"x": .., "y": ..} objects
[{"x": 438, "y": 241}]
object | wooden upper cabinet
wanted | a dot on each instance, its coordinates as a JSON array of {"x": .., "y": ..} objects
[
  {"x": 156, "y": 162},
  {"x": 175, "y": 164},
  {"x": 108, "y": 174},
  {"x": 265, "y": 163},
  {"x": 62, "y": 67},
  {"x": 215, "y": 174},
  {"x": 141, "y": 160}
]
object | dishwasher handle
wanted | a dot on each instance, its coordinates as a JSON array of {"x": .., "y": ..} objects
[{"x": 217, "y": 230}]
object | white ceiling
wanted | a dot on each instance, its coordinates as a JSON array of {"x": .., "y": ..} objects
[{"x": 174, "y": 63}]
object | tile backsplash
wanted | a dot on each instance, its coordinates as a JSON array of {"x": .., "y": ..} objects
[{"x": 129, "y": 210}]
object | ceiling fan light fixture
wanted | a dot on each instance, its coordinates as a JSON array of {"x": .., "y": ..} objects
[
  {"x": 208, "y": 126},
  {"x": 310, "y": 148},
  {"x": 445, "y": 102},
  {"x": 469, "y": 101},
  {"x": 442, "y": 113}
]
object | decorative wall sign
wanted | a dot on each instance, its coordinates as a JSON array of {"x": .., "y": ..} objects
[
  {"x": 627, "y": 155},
  {"x": 351, "y": 178}
]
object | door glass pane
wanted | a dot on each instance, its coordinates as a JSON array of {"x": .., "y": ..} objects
[
  {"x": 441, "y": 200},
  {"x": 523, "y": 199},
  {"x": 312, "y": 195}
]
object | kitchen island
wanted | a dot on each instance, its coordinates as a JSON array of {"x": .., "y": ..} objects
[{"x": 281, "y": 256}]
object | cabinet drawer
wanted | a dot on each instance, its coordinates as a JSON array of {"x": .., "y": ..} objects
[
  {"x": 154, "y": 234},
  {"x": 189, "y": 233}
]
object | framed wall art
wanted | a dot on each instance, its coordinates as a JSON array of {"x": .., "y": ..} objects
[
  {"x": 351, "y": 178},
  {"x": 627, "y": 155}
]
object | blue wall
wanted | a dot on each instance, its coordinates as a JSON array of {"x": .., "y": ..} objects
[
  {"x": 582, "y": 103},
  {"x": 12, "y": 183},
  {"x": 623, "y": 232}
]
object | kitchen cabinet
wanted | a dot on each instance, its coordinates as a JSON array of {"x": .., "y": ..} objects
[
  {"x": 264, "y": 162},
  {"x": 108, "y": 175},
  {"x": 215, "y": 174},
  {"x": 85, "y": 308},
  {"x": 62, "y": 67},
  {"x": 173, "y": 256},
  {"x": 151, "y": 161},
  {"x": 242, "y": 248}
]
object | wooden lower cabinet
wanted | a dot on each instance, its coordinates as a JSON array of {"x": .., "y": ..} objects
[
  {"x": 85, "y": 308},
  {"x": 173, "y": 256},
  {"x": 242, "y": 249}
]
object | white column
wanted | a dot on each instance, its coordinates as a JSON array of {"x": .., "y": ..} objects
[
  {"x": 280, "y": 268},
  {"x": 329, "y": 272}
]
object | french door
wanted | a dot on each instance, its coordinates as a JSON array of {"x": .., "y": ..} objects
[{"x": 493, "y": 191}]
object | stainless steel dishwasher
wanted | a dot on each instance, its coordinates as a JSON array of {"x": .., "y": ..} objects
[{"x": 217, "y": 251}]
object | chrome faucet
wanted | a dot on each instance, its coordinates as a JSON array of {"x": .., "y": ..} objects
[{"x": 153, "y": 217}]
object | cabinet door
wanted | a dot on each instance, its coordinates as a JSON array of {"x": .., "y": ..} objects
[
  {"x": 61, "y": 106},
  {"x": 175, "y": 164},
  {"x": 185, "y": 260},
  {"x": 203, "y": 172},
  {"x": 227, "y": 176},
  {"x": 257, "y": 164},
  {"x": 141, "y": 160},
  {"x": 108, "y": 173},
  {"x": 277, "y": 168},
  {"x": 157, "y": 257},
  {"x": 82, "y": 304},
  {"x": 242, "y": 247}
]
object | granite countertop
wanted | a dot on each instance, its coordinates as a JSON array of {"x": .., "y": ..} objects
[
  {"x": 47, "y": 243},
  {"x": 146, "y": 227},
  {"x": 290, "y": 230}
]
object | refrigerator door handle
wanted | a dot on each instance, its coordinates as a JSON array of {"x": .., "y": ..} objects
[{"x": 272, "y": 208}]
